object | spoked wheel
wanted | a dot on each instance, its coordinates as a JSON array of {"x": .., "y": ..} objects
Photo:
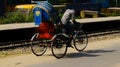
[
  {"x": 38, "y": 46},
  {"x": 80, "y": 41},
  {"x": 58, "y": 46}
]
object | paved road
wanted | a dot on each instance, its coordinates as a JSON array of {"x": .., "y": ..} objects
[{"x": 104, "y": 53}]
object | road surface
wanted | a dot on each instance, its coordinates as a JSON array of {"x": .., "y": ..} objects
[{"x": 104, "y": 53}]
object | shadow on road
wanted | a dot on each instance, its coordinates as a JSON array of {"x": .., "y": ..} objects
[
  {"x": 99, "y": 51},
  {"x": 88, "y": 53}
]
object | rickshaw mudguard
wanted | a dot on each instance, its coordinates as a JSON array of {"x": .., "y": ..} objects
[{"x": 35, "y": 35}]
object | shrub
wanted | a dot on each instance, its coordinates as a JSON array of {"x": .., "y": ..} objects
[
  {"x": 115, "y": 13},
  {"x": 29, "y": 18},
  {"x": 1, "y": 20},
  {"x": 15, "y": 17}
]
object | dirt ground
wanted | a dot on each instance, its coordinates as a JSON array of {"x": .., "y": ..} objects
[{"x": 29, "y": 59}]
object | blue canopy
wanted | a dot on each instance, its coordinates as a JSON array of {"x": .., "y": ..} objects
[{"x": 45, "y": 11}]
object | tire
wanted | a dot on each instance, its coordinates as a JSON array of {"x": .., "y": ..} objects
[
  {"x": 38, "y": 46},
  {"x": 80, "y": 41},
  {"x": 58, "y": 46}
]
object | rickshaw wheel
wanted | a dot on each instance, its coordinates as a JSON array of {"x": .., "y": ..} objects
[
  {"x": 58, "y": 46},
  {"x": 38, "y": 46},
  {"x": 80, "y": 41}
]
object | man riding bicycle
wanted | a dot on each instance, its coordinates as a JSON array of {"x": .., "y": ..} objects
[{"x": 69, "y": 23}]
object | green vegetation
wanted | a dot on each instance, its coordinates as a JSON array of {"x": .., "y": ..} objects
[
  {"x": 1, "y": 20},
  {"x": 115, "y": 13},
  {"x": 15, "y": 17}
]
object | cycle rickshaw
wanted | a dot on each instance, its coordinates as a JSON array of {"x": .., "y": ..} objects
[{"x": 48, "y": 34}]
